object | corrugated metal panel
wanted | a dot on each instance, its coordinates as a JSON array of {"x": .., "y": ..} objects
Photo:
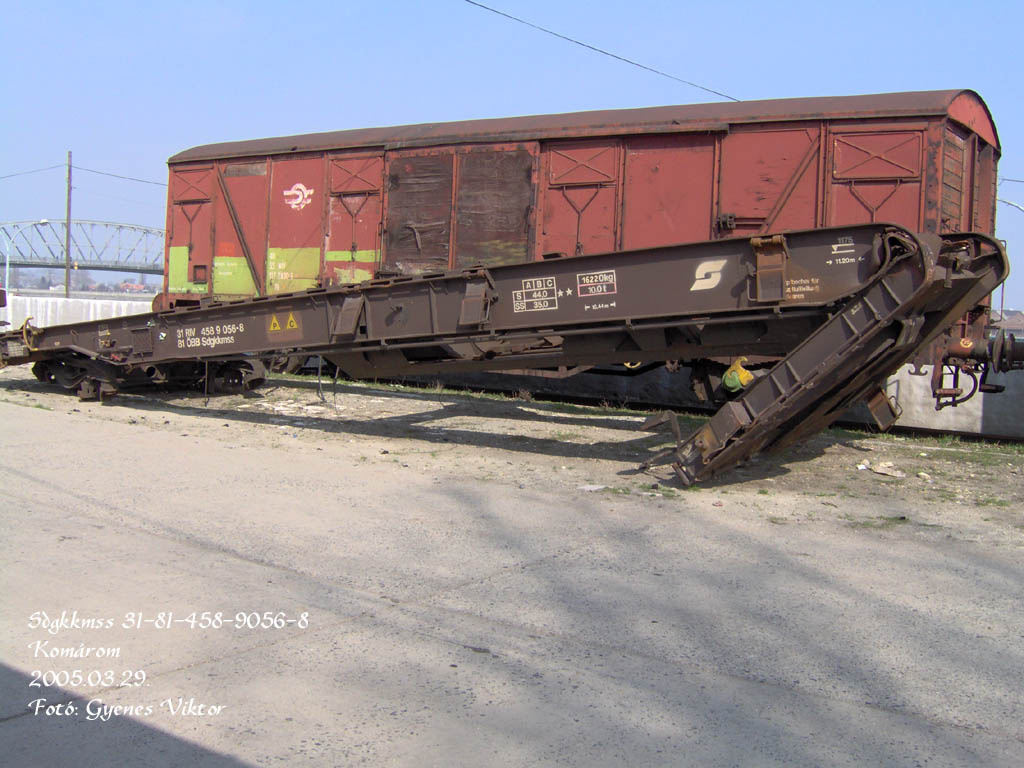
[
  {"x": 668, "y": 119},
  {"x": 954, "y": 160},
  {"x": 985, "y": 191}
]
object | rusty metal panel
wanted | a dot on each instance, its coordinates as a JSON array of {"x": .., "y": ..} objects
[
  {"x": 969, "y": 110},
  {"x": 475, "y": 303},
  {"x": 583, "y": 162},
  {"x": 355, "y": 218},
  {"x": 240, "y": 226},
  {"x": 191, "y": 183},
  {"x": 580, "y": 201},
  {"x": 353, "y": 238},
  {"x": 346, "y": 320},
  {"x": 579, "y": 220},
  {"x": 768, "y": 179},
  {"x": 419, "y": 211},
  {"x": 494, "y": 205},
  {"x": 876, "y": 155},
  {"x": 875, "y": 201},
  {"x": 190, "y": 248},
  {"x": 770, "y": 267},
  {"x": 931, "y": 190},
  {"x": 295, "y": 235},
  {"x": 686, "y": 118},
  {"x": 877, "y": 173},
  {"x": 356, "y": 173},
  {"x": 984, "y": 214},
  {"x": 667, "y": 192}
]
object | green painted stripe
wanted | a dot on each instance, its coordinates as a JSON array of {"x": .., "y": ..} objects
[
  {"x": 363, "y": 257},
  {"x": 177, "y": 272},
  {"x": 292, "y": 269},
  {"x": 231, "y": 277}
]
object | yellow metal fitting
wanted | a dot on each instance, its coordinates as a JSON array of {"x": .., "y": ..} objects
[{"x": 737, "y": 377}]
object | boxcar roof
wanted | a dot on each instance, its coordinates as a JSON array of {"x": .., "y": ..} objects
[{"x": 671, "y": 119}]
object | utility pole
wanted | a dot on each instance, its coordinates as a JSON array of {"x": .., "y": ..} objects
[{"x": 67, "y": 237}]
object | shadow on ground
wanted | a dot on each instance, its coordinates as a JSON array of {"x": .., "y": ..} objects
[{"x": 427, "y": 426}]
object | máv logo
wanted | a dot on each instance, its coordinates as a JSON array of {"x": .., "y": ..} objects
[{"x": 298, "y": 197}]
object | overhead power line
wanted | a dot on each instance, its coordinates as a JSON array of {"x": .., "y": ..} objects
[
  {"x": 87, "y": 170},
  {"x": 119, "y": 176},
  {"x": 92, "y": 193},
  {"x": 602, "y": 51},
  {"x": 26, "y": 173},
  {"x": 1012, "y": 204},
  {"x": 1017, "y": 181}
]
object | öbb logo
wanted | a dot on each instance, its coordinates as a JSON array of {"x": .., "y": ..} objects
[{"x": 708, "y": 274}]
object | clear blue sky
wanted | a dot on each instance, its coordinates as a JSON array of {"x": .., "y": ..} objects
[{"x": 124, "y": 85}]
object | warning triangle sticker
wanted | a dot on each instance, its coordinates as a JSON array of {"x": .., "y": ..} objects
[
  {"x": 291, "y": 325},
  {"x": 274, "y": 325}
]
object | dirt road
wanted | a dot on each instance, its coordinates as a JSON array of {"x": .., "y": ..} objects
[{"x": 433, "y": 578}]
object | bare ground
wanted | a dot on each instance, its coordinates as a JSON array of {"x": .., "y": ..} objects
[{"x": 950, "y": 489}]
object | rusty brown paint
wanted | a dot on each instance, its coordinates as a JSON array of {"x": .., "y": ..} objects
[
  {"x": 418, "y": 198},
  {"x": 689, "y": 118}
]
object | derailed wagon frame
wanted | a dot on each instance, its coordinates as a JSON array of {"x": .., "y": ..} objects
[{"x": 839, "y": 309}]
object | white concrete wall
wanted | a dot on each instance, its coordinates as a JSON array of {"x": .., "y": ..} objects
[
  {"x": 992, "y": 415},
  {"x": 56, "y": 310}
]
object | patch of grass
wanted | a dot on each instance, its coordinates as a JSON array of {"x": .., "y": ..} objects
[
  {"x": 973, "y": 450},
  {"x": 616, "y": 491},
  {"x": 40, "y": 406},
  {"x": 763, "y": 491},
  {"x": 565, "y": 436},
  {"x": 604, "y": 409},
  {"x": 991, "y": 501},
  {"x": 882, "y": 521},
  {"x": 776, "y": 520}
]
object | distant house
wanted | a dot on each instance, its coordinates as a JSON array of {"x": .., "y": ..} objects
[{"x": 1009, "y": 319}]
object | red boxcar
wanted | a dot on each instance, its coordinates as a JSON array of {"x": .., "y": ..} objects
[{"x": 277, "y": 215}]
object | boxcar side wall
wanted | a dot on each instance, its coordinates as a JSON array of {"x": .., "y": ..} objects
[{"x": 246, "y": 226}]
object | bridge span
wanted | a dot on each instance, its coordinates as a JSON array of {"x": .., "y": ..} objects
[{"x": 95, "y": 245}]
